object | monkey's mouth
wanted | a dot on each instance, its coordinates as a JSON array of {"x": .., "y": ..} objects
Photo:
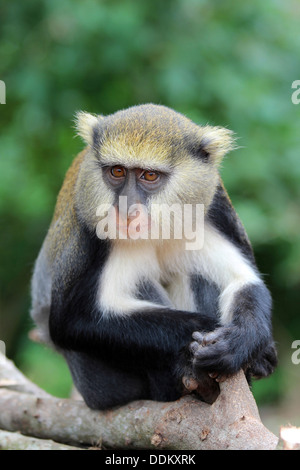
[
  {"x": 134, "y": 227},
  {"x": 131, "y": 229},
  {"x": 139, "y": 219},
  {"x": 138, "y": 227}
]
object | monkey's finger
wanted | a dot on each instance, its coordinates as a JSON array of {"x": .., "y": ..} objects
[
  {"x": 211, "y": 338},
  {"x": 194, "y": 347},
  {"x": 198, "y": 336}
]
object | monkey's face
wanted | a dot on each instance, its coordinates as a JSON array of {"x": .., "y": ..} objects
[
  {"x": 130, "y": 215},
  {"x": 143, "y": 161}
]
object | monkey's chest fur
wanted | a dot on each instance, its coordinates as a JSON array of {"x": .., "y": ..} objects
[{"x": 142, "y": 275}]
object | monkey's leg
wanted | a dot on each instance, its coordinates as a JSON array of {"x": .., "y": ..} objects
[{"x": 101, "y": 385}]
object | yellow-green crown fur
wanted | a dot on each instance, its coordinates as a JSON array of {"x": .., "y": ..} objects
[{"x": 151, "y": 134}]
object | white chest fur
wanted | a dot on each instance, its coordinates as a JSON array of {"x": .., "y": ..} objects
[
  {"x": 131, "y": 263},
  {"x": 168, "y": 266}
]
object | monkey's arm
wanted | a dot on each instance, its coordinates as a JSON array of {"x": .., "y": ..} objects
[
  {"x": 245, "y": 337},
  {"x": 149, "y": 338},
  {"x": 242, "y": 339}
]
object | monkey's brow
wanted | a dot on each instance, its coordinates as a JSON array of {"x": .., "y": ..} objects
[{"x": 133, "y": 166}]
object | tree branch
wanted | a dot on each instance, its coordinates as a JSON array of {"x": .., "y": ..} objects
[
  {"x": 16, "y": 441},
  {"x": 232, "y": 422}
]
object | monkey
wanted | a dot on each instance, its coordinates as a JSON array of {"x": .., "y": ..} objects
[{"x": 150, "y": 317}]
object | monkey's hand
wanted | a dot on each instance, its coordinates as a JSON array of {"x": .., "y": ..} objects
[{"x": 218, "y": 352}]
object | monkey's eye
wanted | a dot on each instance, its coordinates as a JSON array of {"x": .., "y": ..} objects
[
  {"x": 118, "y": 171},
  {"x": 149, "y": 176}
]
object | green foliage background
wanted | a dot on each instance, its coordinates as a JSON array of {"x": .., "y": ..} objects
[{"x": 226, "y": 63}]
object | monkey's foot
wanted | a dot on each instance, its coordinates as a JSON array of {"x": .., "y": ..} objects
[
  {"x": 219, "y": 377},
  {"x": 204, "y": 386}
]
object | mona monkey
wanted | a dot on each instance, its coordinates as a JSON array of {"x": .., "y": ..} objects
[{"x": 141, "y": 317}]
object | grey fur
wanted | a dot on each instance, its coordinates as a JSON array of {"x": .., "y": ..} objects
[
  {"x": 153, "y": 292},
  {"x": 41, "y": 286}
]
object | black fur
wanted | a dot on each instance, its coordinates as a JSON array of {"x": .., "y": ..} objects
[
  {"x": 223, "y": 216},
  {"x": 146, "y": 291},
  {"x": 97, "y": 138},
  {"x": 206, "y": 295},
  {"x": 197, "y": 150},
  {"x": 102, "y": 384}
]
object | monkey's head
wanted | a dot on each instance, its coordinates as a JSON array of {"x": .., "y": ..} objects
[{"x": 142, "y": 159}]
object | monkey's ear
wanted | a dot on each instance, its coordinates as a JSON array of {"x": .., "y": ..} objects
[
  {"x": 217, "y": 141},
  {"x": 85, "y": 125}
]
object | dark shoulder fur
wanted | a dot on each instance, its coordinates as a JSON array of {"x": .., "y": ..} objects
[{"x": 223, "y": 216}]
